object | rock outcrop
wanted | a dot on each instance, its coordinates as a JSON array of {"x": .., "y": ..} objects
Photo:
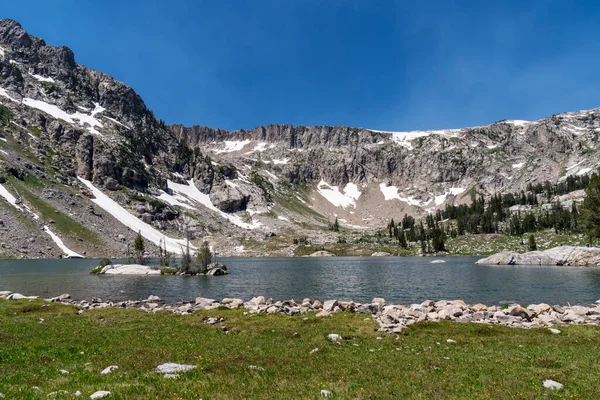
[{"x": 562, "y": 255}]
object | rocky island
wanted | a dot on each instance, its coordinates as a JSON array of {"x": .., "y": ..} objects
[{"x": 561, "y": 255}]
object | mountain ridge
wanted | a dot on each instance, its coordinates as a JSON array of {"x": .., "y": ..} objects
[{"x": 65, "y": 127}]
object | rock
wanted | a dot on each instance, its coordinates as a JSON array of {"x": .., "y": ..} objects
[
  {"x": 378, "y": 300},
  {"x": 216, "y": 272},
  {"x": 171, "y": 376},
  {"x": 329, "y": 305},
  {"x": 257, "y": 301},
  {"x": 152, "y": 298},
  {"x": 63, "y": 371},
  {"x": 313, "y": 351},
  {"x": 541, "y": 308},
  {"x": 255, "y": 368},
  {"x": 19, "y": 296},
  {"x": 147, "y": 218},
  {"x": 322, "y": 253},
  {"x": 323, "y": 313},
  {"x": 112, "y": 184},
  {"x": 479, "y": 307},
  {"x": 325, "y": 393},
  {"x": 561, "y": 255},
  {"x": 380, "y": 254},
  {"x": 108, "y": 369},
  {"x": 450, "y": 341},
  {"x": 518, "y": 311},
  {"x": 129, "y": 269},
  {"x": 204, "y": 300},
  {"x": 552, "y": 385},
  {"x": 317, "y": 304},
  {"x": 334, "y": 337},
  {"x": 169, "y": 368},
  {"x": 77, "y": 393},
  {"x": 100, "y": 394},
  {"x": 61, "y": 298},
  {"x": 5, "y": 293},
  {"x": 554, "y": 331},
  {"x": 438, "y": 262}
]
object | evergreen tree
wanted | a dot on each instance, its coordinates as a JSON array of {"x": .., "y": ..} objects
[
  {"x": 590, "y": 210},
  {"x": 532, "y": 244},
  {"x": 402, "y": 239},
  {"x": 203, "y": 257},
  {"x": 138, "y": 247}
]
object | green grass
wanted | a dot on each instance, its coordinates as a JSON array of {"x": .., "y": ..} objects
[
  {"x": 486, "y": 362},
  {"x": 494, "y": 243}
]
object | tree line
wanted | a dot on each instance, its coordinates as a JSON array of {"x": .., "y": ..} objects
[{"x": 494, "y": 215}]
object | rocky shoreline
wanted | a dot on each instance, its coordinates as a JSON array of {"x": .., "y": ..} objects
[
  {"x": 392, "y": 318},
  {"x": 561, "y": 256}
]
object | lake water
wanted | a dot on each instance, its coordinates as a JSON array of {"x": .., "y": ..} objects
[{"x": 400, "y": 280}]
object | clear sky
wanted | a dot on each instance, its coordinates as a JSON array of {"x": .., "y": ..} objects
[{"x": 388, "y": 65}]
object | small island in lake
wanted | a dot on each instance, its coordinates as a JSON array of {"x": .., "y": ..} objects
[{"x": 200, "y": 264}]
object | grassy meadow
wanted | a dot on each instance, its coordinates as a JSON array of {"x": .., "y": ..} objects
[{"x": 38, "y": 339}]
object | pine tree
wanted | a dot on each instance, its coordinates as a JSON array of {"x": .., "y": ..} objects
[
  {"x": 402, "y": 239},
  {"x": 590, "y": 210},
  {"x": 138, "y": 247},
  {"x": 203, "y": 257},
  {"x": 532, "y": 244}
]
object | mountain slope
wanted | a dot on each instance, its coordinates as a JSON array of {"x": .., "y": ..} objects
[{"x": 86, "y": 165}]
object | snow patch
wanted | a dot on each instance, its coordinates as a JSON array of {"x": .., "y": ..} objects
[
  {"x": 4, "y": 93},
  {"x": 132, "y": 222},
  {"x": 89, "y": 122},
  {"x": 232, "y": 145},
  {"x": 116, "y": 122},
  {"x": 405, "y": 138},
  {"x": 518, "y": 122},
  {"x": 13, "y": 201},
  {"x": 68, "y": 252},
  {"x": 519, "y": 165},
  {"x": 573, "y": 166},
  {"x": 391, "y": 193},
  {"x": 189, "y": 195},
  {"x": 262, "y": 146},
  {"x": 280, "y": 161},
  {"x": 583, "y": 171},
  {"x": 9, "y": 197},
  {"x": 3, "y": 152},
  {"x": 43, "y": 78},
  {"x": 282, "y": 218},
  {"x": 337, "y": 198},
  {"x": 491, "y": 146},
  {"x": 273, "y": 176}
]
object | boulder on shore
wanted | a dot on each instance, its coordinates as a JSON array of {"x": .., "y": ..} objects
[
  {"x": 322, "y": 253},
  {"x": 562, "y": 255},
  {"x": 380, "y": 254}
]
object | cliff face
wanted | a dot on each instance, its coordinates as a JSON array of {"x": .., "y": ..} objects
[
  {"x": 62, "y": 124},
  {"x": 506, "y": 155}
]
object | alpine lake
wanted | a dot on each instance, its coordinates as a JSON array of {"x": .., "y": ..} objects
[{"x": 400, "y": 280}]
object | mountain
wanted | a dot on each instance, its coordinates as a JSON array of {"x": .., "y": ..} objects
[{"x": 86, "y": 165}]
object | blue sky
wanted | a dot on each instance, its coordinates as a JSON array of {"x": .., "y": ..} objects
[{"x": 388, "y": 65}]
